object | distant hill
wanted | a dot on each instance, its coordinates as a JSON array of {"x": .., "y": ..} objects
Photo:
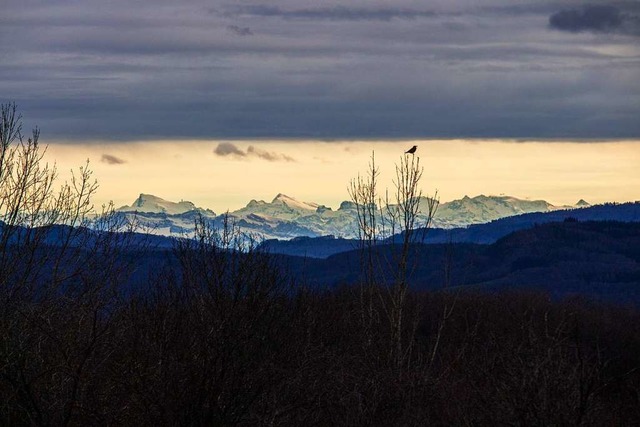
[
  {"x": 287, "y": 218},
  {"x": 493, "y": 230},
  {"x": 477, "y": 233},
  {"x": 594, "y": 259}
]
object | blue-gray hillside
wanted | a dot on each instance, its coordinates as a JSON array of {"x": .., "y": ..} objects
[
  {"x": 477, "y": 233},
  {"x": 593, "y": 259}
]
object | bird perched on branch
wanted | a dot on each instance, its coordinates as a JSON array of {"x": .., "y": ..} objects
[{"x": 411, "y": 150}]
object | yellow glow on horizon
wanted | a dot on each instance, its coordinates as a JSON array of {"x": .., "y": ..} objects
[{"x": 559, "y": 172}]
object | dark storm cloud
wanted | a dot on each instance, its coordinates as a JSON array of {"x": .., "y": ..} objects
[
  {"x": 335, "y": 13},
  {"x": 112, "y": 160},
  {"x": 595, "y": 18},
  {"x": 228, "y": 149},
  {"x": 96, "y": 70}
]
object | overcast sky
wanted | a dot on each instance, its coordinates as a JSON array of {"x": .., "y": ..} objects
[{"x": 132, "y": 70}]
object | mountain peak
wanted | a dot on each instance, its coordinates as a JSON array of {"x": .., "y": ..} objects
[
  {"x": 582, "y": 203},
  {"x": 142, "y": 198},
  {"x": 281, "y": 198},
  {"x": 293, "y": 203},
  {"x": 148, "y": 203},
  {"x": 254, "y": 203},
  {"x": 347, "y": 205}
]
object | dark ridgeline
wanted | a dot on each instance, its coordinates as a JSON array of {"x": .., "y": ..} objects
[
  {"x": 104, "y": 327},
  {"x": 485, "y": 233},
  {"x": 594, "y": 259}
]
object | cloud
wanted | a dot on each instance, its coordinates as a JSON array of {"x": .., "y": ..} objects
[
  {"x": 270, "y": 156},
  {"x": 227, "y": 148},
  {"x": 112, "y": 160},
  {"x": 367, "y": 69},
  {"x": 240, "y": 31},
  {"x": 595, "y": 18},
  {"x": 336, "y": 13}
]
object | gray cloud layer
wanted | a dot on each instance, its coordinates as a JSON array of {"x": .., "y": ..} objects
[
  {"x": 293, "y": 68},
  {"x": 335, "y": 13},
  {"x": 228, "y": 149},
  {"x": 596, "y": 18}
]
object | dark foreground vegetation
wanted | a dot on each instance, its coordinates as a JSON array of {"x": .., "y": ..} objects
[
  {"x": 221, "y": 335},
  {"x": 225, "y": 340}
]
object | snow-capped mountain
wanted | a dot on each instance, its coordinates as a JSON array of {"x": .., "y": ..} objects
[
  {"x": 281, "y": 207},
  {"x": 481, "y": 209},
  {"x": 286, "y": 217},
  {"x": 147, "y": 203},
  {"x": 164, "y": 217}
]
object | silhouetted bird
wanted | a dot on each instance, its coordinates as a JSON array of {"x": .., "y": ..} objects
[{"x": 411, "y": 150}]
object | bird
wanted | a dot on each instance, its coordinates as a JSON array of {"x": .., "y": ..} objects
[{"x": 411, "y": 150}]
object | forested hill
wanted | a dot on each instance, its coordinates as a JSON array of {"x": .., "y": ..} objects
[
  {"x": 594, "y": 259},
  {"x": 478, "y": 233},
  {"x": 599, "y": 259}
]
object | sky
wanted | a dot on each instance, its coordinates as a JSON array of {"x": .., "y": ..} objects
[
  {"x": 141, "y": 82},
  {"x": 227, "y": 175}
]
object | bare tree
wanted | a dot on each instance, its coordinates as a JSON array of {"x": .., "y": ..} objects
[
  {"x": 30, "y": 205},
  {"x": 59, "y": 281},
  {"x": 402, "y": 216},
  {"x": 364, "y": 193},
  {"x": 405, "y": 213}
]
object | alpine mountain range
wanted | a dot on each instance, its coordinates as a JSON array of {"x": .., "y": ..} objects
[{"x": 286, "y": 217}]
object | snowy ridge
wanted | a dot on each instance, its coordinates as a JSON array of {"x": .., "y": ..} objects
[
  {"x": 147, "y": 203},
  {"x": 286, "y": 217},
  {"x": 293, "y": 203}
]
